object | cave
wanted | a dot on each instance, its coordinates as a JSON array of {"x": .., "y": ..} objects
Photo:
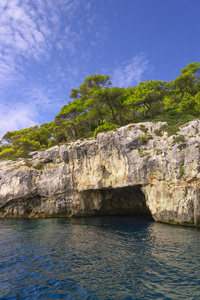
[{"x": 119, "y": 201}]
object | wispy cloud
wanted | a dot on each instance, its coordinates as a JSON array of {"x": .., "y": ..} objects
[
  {"x": 25, "y": 32},
  {"x": 16, "y": 117},
  {"x": 37, "y": 99},
  {"x": 69, "y": 40},
  {"x": 29, "y": 30},
  {"x": 46, "y": 48},
  {"x": 130, "y": 73}
]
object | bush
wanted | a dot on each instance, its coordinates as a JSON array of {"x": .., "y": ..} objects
[
  {"x": 144, "y": 138},
  {"x": 158, "y": 133},
  {"x": 143, "y": 128},
  {"x": 52, "y": 142},
  {"x": 6, "y": 153},
  {"x": 141, "y": 154},
  {"x": 182, "y": 172},
  {"x": 105, "y": 127},
  {"x": 179, "y": 139},
  {"x": 174, "y": 120},
  {"x": 39, "y": 166}
]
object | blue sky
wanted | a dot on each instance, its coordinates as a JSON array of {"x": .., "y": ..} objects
[{"x": 48, "y": 47}]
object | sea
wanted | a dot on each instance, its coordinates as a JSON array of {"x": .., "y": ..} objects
[{"x": 113, "y": 257}]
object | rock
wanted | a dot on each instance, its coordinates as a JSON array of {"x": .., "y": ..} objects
[{"x": 128, "y": 171}]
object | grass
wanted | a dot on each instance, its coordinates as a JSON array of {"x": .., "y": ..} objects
[
  {"x": 143, "y": 128},
  {"x": 141, "y": 154},
  {"x": 39, "y": 166},
  {"x": 144, "y": 138},
  {"x": 174, "y": 121},
  {"x": 182, "y": 172},
  {"x": 179, "y": 139},
  {"x": 173, "y": 118}
]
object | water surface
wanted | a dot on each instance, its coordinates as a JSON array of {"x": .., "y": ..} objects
[{"x": 98, "y": 258}]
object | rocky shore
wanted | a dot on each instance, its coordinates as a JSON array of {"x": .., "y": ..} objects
[{"x": 136, "y": 170}]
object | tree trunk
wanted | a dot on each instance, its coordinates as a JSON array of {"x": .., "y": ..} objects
[
  {"x": 90, "y": 125},
  {"x": 144, "y": 110},
  {"x": 151, "y": 110},
  {"x": 73, "y": 128},
  {"x": 113, "y": 115}
]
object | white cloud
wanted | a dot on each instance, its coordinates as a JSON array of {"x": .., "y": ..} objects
[
  {"x": 28, "y": 31},
  {"x": 131, "y": 73},
  {"x": 23, "y": 114},
  {"x": 16, "y": 117},
  {"x": 39, "y": 32},
  {"x": 19, "y": 37},
  {"x": 69, "y": 40},
  {"x": 29, "y": 28}
]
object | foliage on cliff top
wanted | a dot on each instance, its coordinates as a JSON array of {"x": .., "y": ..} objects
[{"x": 97, "y": 106}]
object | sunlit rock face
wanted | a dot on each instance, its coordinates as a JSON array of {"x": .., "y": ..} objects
[{"x": 136, "y": 170}]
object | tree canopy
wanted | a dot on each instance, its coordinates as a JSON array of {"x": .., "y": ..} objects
[{"x": 97, "y": 106}]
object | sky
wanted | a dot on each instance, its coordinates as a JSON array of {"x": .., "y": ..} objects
[{"x": 48, "y": 47}]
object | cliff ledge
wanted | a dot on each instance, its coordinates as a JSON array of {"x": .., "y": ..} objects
[{"x": 133, "y": 170}]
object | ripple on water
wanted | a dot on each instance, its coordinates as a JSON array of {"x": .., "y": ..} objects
[{"x": 98, "y": 258}]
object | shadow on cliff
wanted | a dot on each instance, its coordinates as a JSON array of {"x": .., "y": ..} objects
[{"x": 119, "y": 201}]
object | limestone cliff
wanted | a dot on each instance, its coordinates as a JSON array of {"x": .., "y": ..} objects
[{"x": 132, "y": 170}]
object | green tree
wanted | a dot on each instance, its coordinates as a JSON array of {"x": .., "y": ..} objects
[
  {"x": 183, "y": 89},
  {"x": 188, "y": 81},
  {"x": 111, "y": 100},
  {"x": 82, "y": 109},
  {"x": 69, "y": 113},
  {"x": 188, "y": 104},
  {"x": 90, "y": 83},
  {"x": 20, "y": 143},
  {"x": 146, "y": 95}
]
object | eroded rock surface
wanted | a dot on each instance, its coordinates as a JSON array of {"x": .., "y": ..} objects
[{"x": 132, "y": 170}]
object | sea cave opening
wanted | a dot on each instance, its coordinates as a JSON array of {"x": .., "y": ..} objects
[{"x": 115, "y": 201}]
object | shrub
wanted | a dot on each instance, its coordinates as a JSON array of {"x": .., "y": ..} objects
[
  {"x": 39, "y": 166},
  {"x": 174, "y": 120},
  {"x": 159, "y": 133},
  {"x": 52, "y": 142},
  {"x": 182, "y": 172},
  {"x": 143, "y": 128},
  {"x": 179, "y": 139},
  {"x": 141, "y": 154},
  {"x": 144, "y": 138},
  {"x": 105, "y": 127},
  {"x": 6, "y": 153},
  {"x": 87, "y": 135}
]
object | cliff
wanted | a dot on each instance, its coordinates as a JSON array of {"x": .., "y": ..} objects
[{"x": 136, "y": 169}]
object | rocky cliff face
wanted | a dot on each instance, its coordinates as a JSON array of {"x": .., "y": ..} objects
[{"x": 133, "y": 170}]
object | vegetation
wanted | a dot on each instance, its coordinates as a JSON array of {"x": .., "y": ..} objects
[
  {"x": 39, "y": 166},
  {"x": 96, "y": 106},
  {"x": 141, "y": 154},
  {"x": 179, "y": 139},
  {"x": 105, "y": 127},
  {"x": 144, "y": 138},
  {"x": 182, "y": 172},
  {"x": 143, "y": 128}
]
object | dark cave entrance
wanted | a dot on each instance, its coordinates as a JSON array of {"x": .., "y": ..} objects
[{"x": 119, "y": 201}]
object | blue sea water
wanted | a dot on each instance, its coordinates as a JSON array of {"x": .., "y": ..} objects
[{"x": 98, "y": 258}]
